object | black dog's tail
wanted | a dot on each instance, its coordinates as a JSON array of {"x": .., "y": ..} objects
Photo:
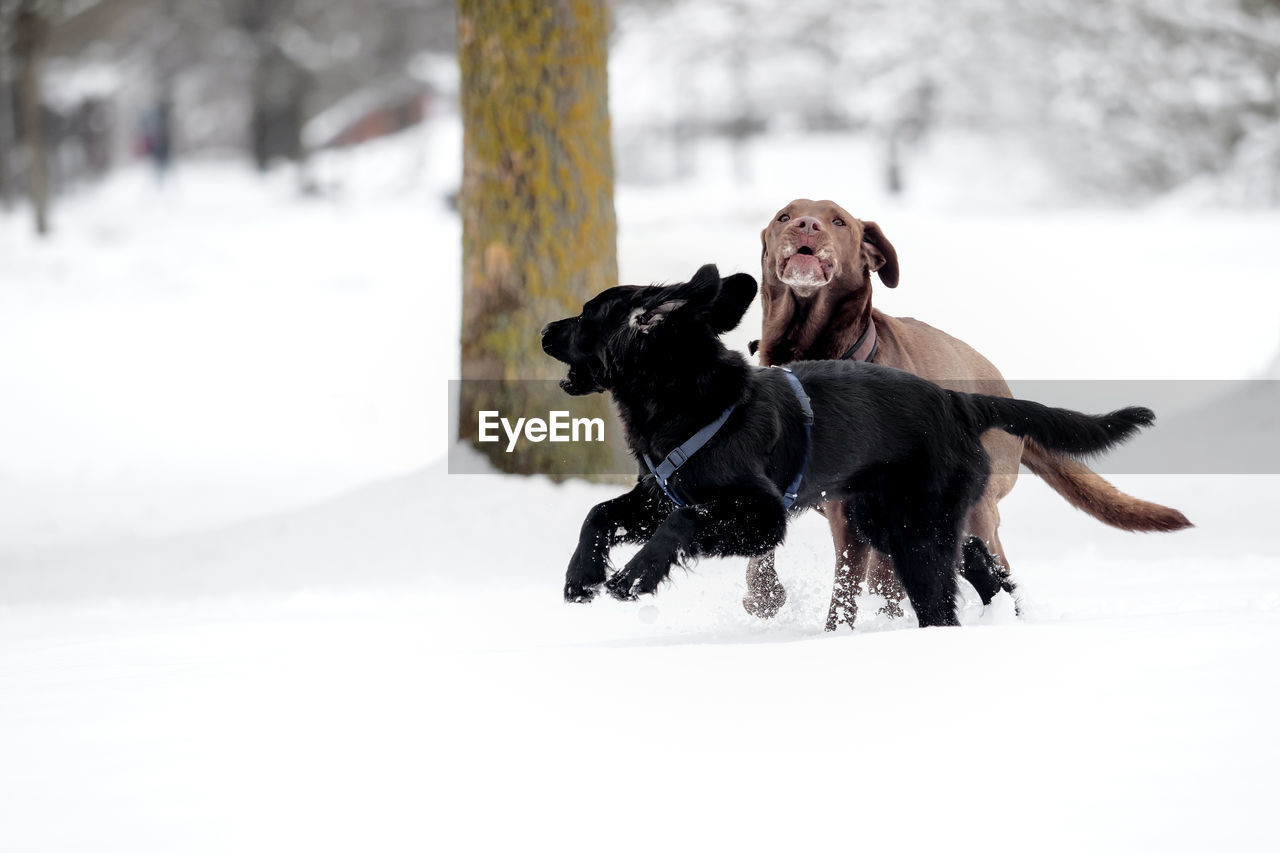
[{"x": 1061, "y": 430}]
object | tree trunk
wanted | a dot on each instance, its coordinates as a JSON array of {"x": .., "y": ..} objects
[
  {"x": 278, "y": 93},
  {"x": 30, "y": 30},
  {"x": 8, "y": 134},
  {"x": 539, "y": 233}
]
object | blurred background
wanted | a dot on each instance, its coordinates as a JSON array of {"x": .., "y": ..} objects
[
  {"x": 230, "y": 275},
  {"x": 1118, "y": 101}
]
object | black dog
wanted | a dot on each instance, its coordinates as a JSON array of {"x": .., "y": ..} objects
[{"x": 902, "y": 451}]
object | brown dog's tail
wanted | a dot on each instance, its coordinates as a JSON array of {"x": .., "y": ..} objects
[
  {"x": 1053, "y": 436},
  {"x": 1089, "y": 492}
]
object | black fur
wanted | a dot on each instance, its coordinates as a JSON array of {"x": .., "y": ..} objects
[
  {"x": 983, "y": 571},
  {"x": 904, "y": 452}
]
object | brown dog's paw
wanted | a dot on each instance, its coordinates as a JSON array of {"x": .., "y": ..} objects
[{"x": 766, "y": 604}]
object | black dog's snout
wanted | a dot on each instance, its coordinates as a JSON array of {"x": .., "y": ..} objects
[
  {"x": 554, "y": 339},
  {"x": 807, "y": 225}
]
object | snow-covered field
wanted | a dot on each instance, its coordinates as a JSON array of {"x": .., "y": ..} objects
[{"x": 243, "y": 607}]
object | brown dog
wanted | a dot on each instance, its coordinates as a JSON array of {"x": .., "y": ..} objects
[{"x": 816, "y": 294}]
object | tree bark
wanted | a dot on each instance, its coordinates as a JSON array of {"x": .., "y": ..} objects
[
  {"x": 30, "y": 32},
  {"x": 539, "y": 233}
]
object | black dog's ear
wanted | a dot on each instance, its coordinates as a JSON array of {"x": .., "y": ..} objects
[
  {"x": 646, "y": 321},
  {"x": 704, "y": 286},
  {"x": 736, "y": 293},
  {"x": 701, "y": 291}
]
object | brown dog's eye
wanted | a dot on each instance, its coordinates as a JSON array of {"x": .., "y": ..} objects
[
  {"x": 786, "y": 217},
  {"x": 838, "y": 221}
]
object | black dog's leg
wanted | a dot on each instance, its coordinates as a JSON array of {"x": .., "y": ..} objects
[
  {"x": 924, "y": 532},
  {"x": 927, "y": 568},
  {"x": 980, "y": 568},
  {"x": 652, "y": 563},
  {"x": 745, "y": 525},
  {"x": 633, "y": 517},
  {"x": 925, "y": 548}
]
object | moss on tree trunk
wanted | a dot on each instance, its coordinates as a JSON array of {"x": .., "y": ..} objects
[{"x": 539, "y": 234}]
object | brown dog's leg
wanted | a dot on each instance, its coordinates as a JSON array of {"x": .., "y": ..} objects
[
  {"x": 852, "y": 551},
  {"x": 851, "y": 564},
  {"x": 765, "y": 594},
  {"x": 984, "y": 522},
  {"x": 883, "y": 580}
]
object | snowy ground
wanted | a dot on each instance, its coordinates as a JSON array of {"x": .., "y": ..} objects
[{"x": 246, "y": 608}]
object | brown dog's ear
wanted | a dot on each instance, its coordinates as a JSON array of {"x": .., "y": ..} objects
[
  {"x": 880, "y": 254},
  {"x": 769, "y": 284}
]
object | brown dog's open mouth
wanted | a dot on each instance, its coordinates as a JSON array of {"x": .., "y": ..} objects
[{"x": 804, "y": 266}]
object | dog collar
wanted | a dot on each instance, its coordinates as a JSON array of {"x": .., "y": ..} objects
[
  {"x": 865, "y": 347},
  {"x": 862, "y": 350}
]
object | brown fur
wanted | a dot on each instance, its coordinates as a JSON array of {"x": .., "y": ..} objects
[{"x": 807, "y": 317}]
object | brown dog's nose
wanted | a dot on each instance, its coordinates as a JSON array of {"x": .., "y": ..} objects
[{"x": 807, "y": 225}]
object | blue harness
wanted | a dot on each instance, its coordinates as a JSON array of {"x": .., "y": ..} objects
[{"x": 665, "y": 470}]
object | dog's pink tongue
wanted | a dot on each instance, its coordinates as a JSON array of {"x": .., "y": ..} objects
[{"x": 804, "y": 266}]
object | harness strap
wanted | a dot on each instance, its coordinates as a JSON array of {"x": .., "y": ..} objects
[
  {"x": 666, "y": 469},
  {"x": 789, "y": 496}
]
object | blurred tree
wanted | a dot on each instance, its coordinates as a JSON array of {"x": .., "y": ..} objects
[
  {"x": 30, "y": 35},
  {"x": 8, "y": 134},
  {"x": 1122, "y": 98},
  {"x": 539, "y": 233},
  {"x": 279, "y": 83},
  {"x": 249, "y": 74},
  {"x": 1119, "y": 98},
  {"x": 1137, "y": 97}
]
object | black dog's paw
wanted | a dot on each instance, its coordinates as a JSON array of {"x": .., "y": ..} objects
[
  {"x": 586, "y": 571},
  {"x": 629, "y": 584},
  {"x": 624, "y": 586},
  {"x": 578, "y": 593}
]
